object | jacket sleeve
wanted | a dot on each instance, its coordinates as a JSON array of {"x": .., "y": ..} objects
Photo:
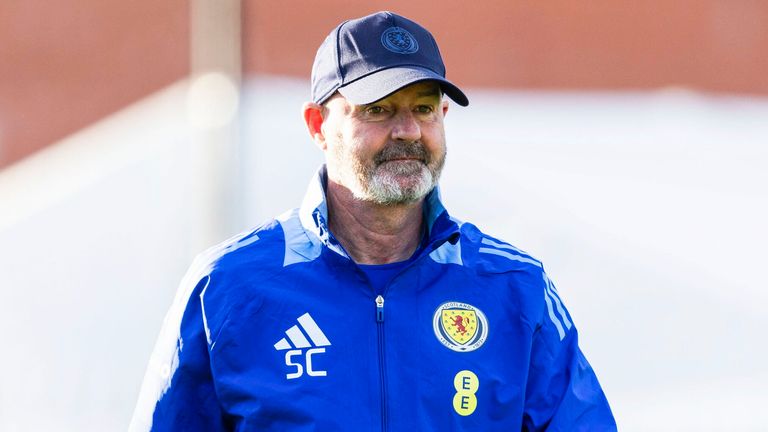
[
  {"x": 562, "y": 393},
  {"x": 178, "y": 393}
]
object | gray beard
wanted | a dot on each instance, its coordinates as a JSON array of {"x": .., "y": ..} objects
[
  {"x": 383, "y": 187},
  {"x": 393, "y": 183}
]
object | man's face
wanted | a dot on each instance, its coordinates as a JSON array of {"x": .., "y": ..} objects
[{"x": 391, "y": 151}]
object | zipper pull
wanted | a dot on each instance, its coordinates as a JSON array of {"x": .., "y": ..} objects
[{"x": 379, "y": 309}]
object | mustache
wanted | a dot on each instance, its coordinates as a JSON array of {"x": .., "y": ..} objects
[{"x": 399, "y": 150}]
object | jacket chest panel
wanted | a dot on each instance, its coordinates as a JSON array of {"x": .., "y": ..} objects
[{"x": 314, "y": 353}]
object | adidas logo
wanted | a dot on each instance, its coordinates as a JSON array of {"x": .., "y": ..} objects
[{"x": 297, "y": 335}]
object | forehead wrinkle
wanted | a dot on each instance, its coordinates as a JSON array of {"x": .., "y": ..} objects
[
  {"x": 428, "y": 94},
  {"x": 435, "y": 91}
]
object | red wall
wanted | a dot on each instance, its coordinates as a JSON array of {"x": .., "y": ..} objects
[
  {"x": 67, "y": 63},
  {"x": 557, "y": 44}
]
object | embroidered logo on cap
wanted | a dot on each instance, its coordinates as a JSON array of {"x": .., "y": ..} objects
[{"x": 399, "y": 40}]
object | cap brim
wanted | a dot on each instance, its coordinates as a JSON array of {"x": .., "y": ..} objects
[{"x": 383, "y": 83}]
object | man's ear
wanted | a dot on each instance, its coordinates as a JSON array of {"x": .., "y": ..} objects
[
  {"x": 313, "y": 117},
  {"x": 444, "y": 106}
]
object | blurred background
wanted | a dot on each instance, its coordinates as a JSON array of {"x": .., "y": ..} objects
[{"x": 623, "y": 143}]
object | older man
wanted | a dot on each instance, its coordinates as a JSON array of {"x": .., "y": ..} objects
[{"x": 370, "y": 308}]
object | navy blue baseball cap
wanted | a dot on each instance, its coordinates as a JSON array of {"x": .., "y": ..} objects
[{"x": 369, "y": 58}]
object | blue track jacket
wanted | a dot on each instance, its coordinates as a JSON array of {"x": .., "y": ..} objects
[{"x": 279, "y": 330}]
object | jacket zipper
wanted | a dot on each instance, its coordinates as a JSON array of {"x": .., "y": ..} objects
[{"x": 382, "y": 365}]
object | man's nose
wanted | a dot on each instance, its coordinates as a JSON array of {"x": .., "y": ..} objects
[{"x": 406, "y": 127}]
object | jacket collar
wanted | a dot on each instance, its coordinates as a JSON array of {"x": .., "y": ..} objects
[{"x": 313, "y": 215}]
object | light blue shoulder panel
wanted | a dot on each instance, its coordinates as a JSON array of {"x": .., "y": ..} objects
[{"x": 299, "y": 247}]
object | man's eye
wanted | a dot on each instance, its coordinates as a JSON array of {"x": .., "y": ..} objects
[
  {"x": 374, "y": 109},
  {"x": 424, "y": 109}
]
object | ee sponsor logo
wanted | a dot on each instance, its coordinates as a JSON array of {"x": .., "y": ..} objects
[{"x": 466, "y": 385}]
